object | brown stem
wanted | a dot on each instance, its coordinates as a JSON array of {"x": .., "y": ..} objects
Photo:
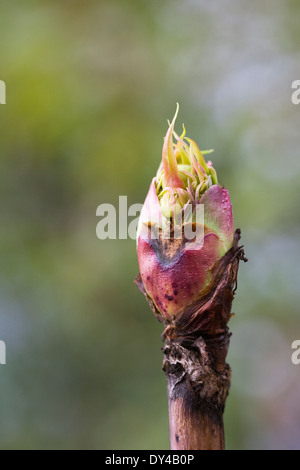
[
  {"x": 196, "y": 345},
  {"x": 198, "y": 385}
]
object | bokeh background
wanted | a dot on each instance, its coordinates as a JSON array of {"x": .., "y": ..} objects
[{"x": 90, "y": 86}]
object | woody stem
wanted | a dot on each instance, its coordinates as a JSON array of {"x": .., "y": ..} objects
[{"x": 198, "y": 385}]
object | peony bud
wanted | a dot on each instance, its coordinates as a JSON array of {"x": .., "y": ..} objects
[{"x": 176, "y": 273}]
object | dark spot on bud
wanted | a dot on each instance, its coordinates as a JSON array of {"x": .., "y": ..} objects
[
  {"x": 169, "y": 297},
  {"x": 177, "y": 437},
  {"x": 158, "y": 301},
  {"x": 175, "y": 292},
  {"x": 148, "y": 278}
]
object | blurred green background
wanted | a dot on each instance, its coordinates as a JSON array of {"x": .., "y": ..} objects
[{"x": 90, "y": 86}]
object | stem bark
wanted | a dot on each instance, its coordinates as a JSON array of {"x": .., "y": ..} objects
[{"x": 198, "y": 385}]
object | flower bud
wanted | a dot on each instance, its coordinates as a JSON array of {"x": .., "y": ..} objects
[{"x": 177, "y": 271}]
